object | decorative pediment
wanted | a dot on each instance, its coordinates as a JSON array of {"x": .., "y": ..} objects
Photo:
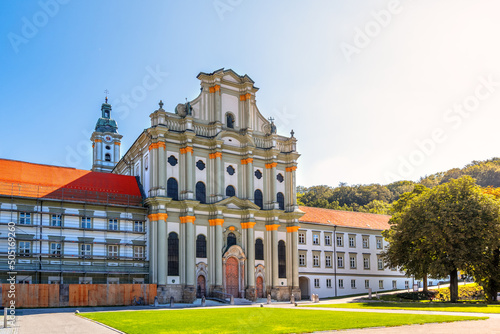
[
  {"x": 237, "y": 204},
  {"x": 233, "y": 138},
  {"x": 234, "y": 251}
]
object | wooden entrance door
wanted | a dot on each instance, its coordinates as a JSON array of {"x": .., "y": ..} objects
[
  {"x": 260, "y": 287},
  {"x": 232, "y": 277},
  {"x": 200, "y": 287}
]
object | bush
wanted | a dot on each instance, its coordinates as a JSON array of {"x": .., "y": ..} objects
[
  {"x": 420, "y": 295},
  {"x": 467, "y": 292}
]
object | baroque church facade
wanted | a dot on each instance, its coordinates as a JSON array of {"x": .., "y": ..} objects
[
  {"x": 202, "y": 204},
  {"x": 219, "y": 184}
]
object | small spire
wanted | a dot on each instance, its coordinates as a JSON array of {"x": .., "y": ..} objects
[
  {"x": 106, "y": 92},
  {"x": 161, "y": 105}
]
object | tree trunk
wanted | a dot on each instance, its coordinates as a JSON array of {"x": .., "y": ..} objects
[
  {"x": 454, "y": 286},
  {"x": 425, "y": 283},
  {"x": 493, "y": 281}
]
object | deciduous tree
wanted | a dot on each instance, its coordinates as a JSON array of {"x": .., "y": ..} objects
[{"x": 443, "y": 229}]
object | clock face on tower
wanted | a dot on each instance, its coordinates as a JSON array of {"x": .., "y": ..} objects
[{"x": 107, "y": 138}]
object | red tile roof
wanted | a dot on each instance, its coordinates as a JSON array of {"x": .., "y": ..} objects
[
  {"x": 18, "y": 178},
  {"x": 345, "y": 218}
]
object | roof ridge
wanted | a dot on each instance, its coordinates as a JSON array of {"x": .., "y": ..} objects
[
  {"x": 355, "y": 212},
  {"x": 39, "y": 164}
]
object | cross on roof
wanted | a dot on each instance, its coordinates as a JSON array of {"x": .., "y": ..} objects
[
  {"x": 271, "y": 119},
  {"x": 106, "y": 92}
]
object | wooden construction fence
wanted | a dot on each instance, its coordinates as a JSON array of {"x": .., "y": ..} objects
[{"x": 62, "y": 295}]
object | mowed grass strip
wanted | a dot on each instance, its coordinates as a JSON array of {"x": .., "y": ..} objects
[
  {"x": 442, "y": 307},
  {"x": 256, "y": 320}
]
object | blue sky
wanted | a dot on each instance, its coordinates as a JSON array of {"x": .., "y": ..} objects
[{"x": 375, "y": 90}]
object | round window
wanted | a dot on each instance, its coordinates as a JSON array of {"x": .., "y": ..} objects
[{"x": 230, "y": 170}]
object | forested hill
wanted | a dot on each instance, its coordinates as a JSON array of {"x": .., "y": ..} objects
[{"x": 375, "y": 198}]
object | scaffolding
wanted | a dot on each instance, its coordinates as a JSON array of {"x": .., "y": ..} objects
[{"x": 55, "y": 197}]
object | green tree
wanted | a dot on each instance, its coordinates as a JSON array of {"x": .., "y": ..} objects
[
  {"x": 405, "y": 249},
  {"x": 444, "y": 229}
]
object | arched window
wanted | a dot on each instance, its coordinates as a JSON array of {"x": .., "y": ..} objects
[
  {"x": 281, "y": 201},
  {"x": 201, "y": 246},
  {"x": 281, "y": 259},
  {"x": 173, "y": 189},
  {"x": 107, "y": 157},
  {"x": 230, "y": 120},
  {"x": 230, "y": 191},
  {"x": 258, "y": 200},
  {"x": 259, "y": 249},
  {"x": 231, "y": 240},
  {"x": 173, "y": 254},
  {"x": 201, "y": 192}
]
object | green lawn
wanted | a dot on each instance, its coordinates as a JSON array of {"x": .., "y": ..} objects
[
  {"x": 256, "y": 320},
  {"x": 445, "y": 307}
]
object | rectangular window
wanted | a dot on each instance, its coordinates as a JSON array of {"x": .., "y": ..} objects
[
  {"x": 366, "y": 262},
  {"x": 138, "y": 252},
  {"x": 328, "y": 261},
  {"x": 340, "y": 241},
  {"x": 381, "y": 284},
  {"x": 85, "y": 250},
  {"x": 352, "y": 241},
  {"x": 55, "y": 249},
  {"x": 328, "y": 282},
  {"x": 315, "y": 239},
  {"x": 138, "y": 280},
  {"x": 113, "y": 280},
  {"x": 340, "y": 261},
  {"x": 113, "y": 224},
  {"x": 394, "y": 285},
  {"x": 24, "y": 248},
  {"x": 24, "y": 218},
  {"x": 341, "y": 283},
  {"x": 316, "y": 282},
  {"x": 86, "y": 222},
  {"x": 328, "y": 241},
  {"x": 302, "y": 238},
  {"x": 85, "y": 280},
  {"x": 380, "y": 264},
  {"x": 316, "y": 260},
  {"x": 302, "y": 260},
  {"x": 379, "y": 243},
  {"x": 353, "y": 284},
  {"x": 367, "y": 283},
  {"x": 407, "y": 285},
  {"x": 352, "y": 260},
  {"x": 366, "y": 244},
  {"x": 113, "y": 251},
  {"x": 138, "y": 226},
  {"x": 56, "y": 220}
]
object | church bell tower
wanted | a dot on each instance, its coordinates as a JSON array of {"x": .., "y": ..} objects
[{"x": 105, "y": 142}]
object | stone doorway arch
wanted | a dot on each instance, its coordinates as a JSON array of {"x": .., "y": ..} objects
[
  {"x": 233, "y": 267},
  {"x": 260, "y": 287},
  {"x": 201, "y": 287}
]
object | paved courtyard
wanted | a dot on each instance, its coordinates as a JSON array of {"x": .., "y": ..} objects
[{"x": 56, "y": 321}]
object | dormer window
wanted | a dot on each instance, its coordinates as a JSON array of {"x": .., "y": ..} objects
[{"x": 230, "y": 120}]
